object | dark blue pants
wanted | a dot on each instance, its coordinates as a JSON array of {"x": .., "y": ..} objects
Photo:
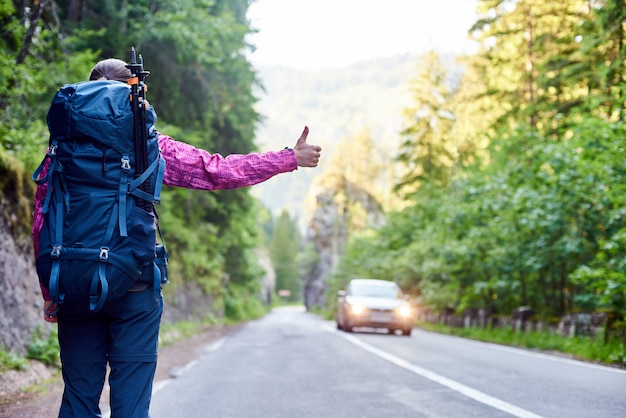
[{"x": 123, "y": 334}]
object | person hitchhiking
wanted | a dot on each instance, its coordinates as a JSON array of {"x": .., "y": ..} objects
[{"x": 121, "y": 330}]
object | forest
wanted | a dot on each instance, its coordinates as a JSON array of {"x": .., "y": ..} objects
[
  {"x": 512, "y": 189},
  {"x": 509, "y": 178},
  {"x": 201, "y": 85}
]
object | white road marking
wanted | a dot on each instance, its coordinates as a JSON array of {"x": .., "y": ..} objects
[{"x": 449, "y": 383}]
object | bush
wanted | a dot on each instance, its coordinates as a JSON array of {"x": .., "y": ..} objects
[
  {"x": 242, "y": 304},
  {"x": 10, "y": 361},
  {"x": 45, "y": 349}
]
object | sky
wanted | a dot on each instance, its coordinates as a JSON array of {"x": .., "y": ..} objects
[{"x": 315, "y": 34}]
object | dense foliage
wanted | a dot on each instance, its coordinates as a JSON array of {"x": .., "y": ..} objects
[
  {"x": 284, "y": 247},
  {"x": 200, "y": 84},
  {"x": 510, "y": 173},
  {"x": 514, "y": 175}
]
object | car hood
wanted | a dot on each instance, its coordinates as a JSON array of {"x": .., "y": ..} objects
[{"x": 376, "y": 303}]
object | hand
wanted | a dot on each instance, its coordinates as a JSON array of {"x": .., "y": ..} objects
[
  {"x": 307, "y": 155},
  {"x": 49, "y": 306}
]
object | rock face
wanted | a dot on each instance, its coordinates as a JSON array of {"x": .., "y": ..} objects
[
  {"x": 268, "y": 285},
  {"x": 20, "y": 297},
  {"x": 328, "y": 231}
]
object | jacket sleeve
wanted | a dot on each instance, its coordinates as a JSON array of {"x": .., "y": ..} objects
[{"x": 193, "y": 168}]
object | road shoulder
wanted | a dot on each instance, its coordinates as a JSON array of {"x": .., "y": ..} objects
[{"x": 36, "y": 392}]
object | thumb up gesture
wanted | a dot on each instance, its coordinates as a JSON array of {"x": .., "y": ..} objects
[{"x": 307, "y": 155}]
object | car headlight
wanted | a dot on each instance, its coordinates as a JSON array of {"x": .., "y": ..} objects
[
  {"x": 358, "y": 309},
  {"x": 404, "y": 311}
]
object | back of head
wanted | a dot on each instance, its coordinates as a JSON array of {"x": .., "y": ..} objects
[{"x": 110, "y": 69}]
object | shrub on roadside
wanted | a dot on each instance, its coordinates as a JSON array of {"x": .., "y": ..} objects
[
  {"x": 45, "y": 349},
  {"x": 10, "y": 361}
]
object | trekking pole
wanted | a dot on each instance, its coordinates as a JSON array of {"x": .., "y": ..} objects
[{"x": 138, "y": 104}]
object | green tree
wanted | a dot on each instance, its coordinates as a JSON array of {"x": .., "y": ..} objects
[
  {"x": 598, "y": 65},
  {"x": 284, "y": 249},
  {"x": 355, "y": 174},
  {"x": 428, "y": 150},
  {"x": 200, "y": 84},
  {"x": 33, "y": 66},
  {"x": 526, "y": 47},
  {"x": 533, "y": 211}
]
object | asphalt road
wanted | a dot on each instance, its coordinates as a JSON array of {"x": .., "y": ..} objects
[{"x": 293, "y": 364}]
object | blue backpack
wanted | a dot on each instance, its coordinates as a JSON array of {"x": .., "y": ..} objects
[{"x": 97, "y": 241}]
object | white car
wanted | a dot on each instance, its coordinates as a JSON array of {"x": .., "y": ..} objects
[{"x": 373, "y": 304}]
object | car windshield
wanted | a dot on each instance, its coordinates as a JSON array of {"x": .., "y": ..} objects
[{"x": 375, "y": 290}]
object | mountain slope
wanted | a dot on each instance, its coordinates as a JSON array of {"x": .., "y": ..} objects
[{"x": 334, "y": 103}]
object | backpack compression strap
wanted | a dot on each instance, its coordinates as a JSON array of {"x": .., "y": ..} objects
[
  {"x": 55, "y": 182},
  {"x": 134, "y": 185},
  {"x": 133, "y": 188},
  {"x": 54, "y": 168}
]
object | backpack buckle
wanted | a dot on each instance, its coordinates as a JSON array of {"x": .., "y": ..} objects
[
  {"x": 53, "y": 150},
  {"x": 56, "y": 251},
  {"x": 125, "y": 163},
  {"x": 104, "y": 253}
]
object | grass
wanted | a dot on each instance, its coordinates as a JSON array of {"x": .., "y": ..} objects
[
  {"x": 10, "y": 361},
  {"x": 582, "y": 348},
  {"x": 42, "y": 387},
  {"x": 42, "y": 348},
  {"x": 45, "y": 349},
  {"x": 172, "y": 333}
]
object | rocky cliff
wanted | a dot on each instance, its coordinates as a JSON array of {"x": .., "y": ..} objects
[
  {"x": 328, "y": 231},
  {"x": 20, "y": 297}
]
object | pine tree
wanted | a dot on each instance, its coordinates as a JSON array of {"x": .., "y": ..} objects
[
  {"x": 284, "y": 248},
  {"x": 428, "y": 150}
]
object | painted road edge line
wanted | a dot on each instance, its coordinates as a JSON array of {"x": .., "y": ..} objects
[{"x": 442, "y": 380}]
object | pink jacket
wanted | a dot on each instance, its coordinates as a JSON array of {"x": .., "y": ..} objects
[{"x": 193, "y": 168}]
